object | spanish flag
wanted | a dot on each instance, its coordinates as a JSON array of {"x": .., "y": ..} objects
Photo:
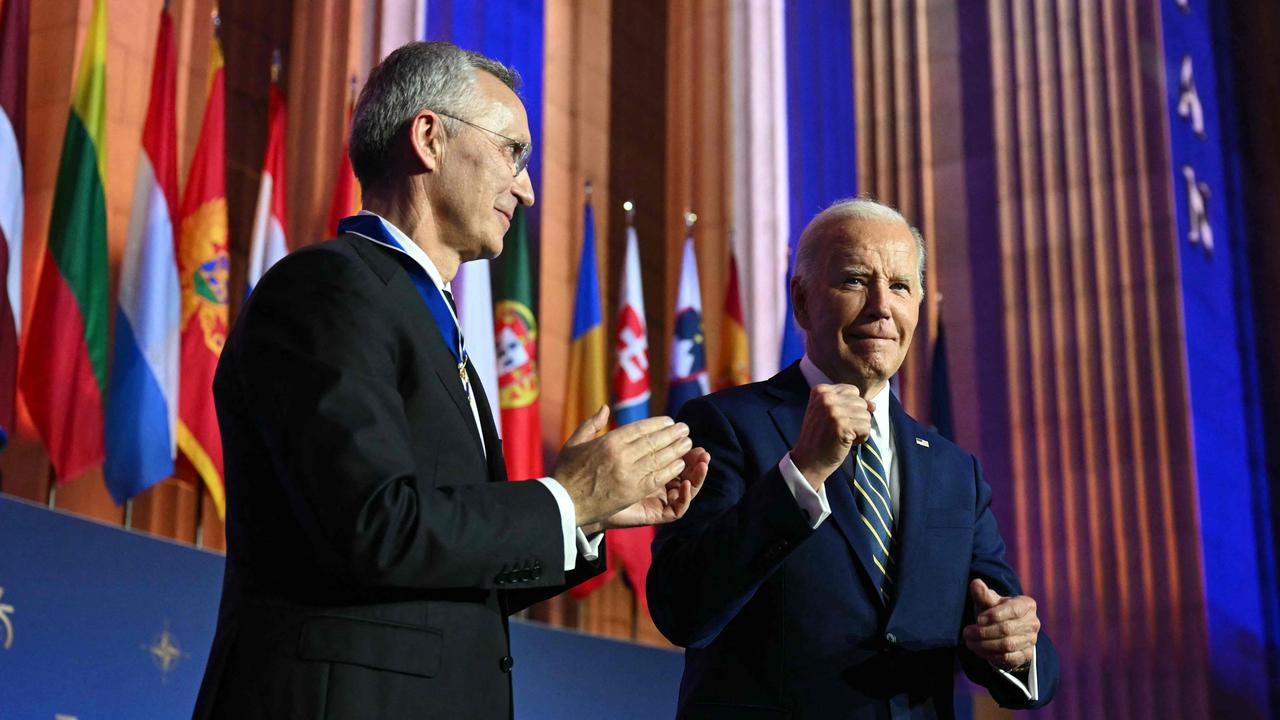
[
  {"x": 202, "y": 271},
  {"x": 735, "y": 359},
  {"x": 64, "y": 362}
]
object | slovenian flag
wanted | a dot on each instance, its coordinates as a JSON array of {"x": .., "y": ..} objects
[
  {"x": 631, "y": 369},
  {"x": 688, "y": 344},
  {"x": 142, "y": 406},
  {"x": 269, "y": 242}
]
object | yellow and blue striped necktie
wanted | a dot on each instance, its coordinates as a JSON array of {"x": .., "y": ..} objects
[{"x": 871, "y": 491}]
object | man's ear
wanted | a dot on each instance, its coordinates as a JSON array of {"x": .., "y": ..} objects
[
  {"x": 426, "y": 136},
  {"x": 799, "y": 303}
]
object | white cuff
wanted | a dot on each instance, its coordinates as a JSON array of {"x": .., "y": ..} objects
[
  {"x": 589, "y": 547},
  {"x": 812, "y": 502},
  {"x": 1032, "y": 688},
  {"x": 567, "y": 515}
]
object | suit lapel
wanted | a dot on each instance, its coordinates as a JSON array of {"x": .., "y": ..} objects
[
  {"x": 792, "y": 392},
  {"x": 385, "y": 262},
  {"x": 492, "y": 443},
  {"x": 915, "y": 469}
]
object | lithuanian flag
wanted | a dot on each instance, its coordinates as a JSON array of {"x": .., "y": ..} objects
[
  {"x": 64, "y": 362},
  {"x": 202, "y": 272}
]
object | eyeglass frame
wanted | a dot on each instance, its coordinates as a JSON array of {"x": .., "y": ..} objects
[{"x": 524, "y": 149}]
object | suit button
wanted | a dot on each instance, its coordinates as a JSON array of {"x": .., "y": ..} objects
[
  {"x": 891, "y": 638},
  {"x": 505, "y": 663}
]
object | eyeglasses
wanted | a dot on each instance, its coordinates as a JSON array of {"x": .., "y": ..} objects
[{"x": 518, "y": 152}]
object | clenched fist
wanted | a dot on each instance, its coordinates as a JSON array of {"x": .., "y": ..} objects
[{"x": 837, "y": 418}]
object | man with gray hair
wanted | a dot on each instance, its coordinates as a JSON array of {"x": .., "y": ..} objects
[
  {"x": 374, "y": 549},
  {"x": 842, "y": 557}
]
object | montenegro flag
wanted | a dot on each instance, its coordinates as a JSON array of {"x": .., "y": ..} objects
[{"x": 202, "y": 269}]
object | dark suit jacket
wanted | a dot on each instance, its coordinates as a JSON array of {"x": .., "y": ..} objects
[
  {"x": 373, "y": 552},
  {"x": 783, "y": 621}
]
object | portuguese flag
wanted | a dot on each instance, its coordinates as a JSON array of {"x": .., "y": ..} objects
[
  {"x": 516, "y": 333},
  {"x": 64, "y": 362},
  {"x": 202, "y": 273}
]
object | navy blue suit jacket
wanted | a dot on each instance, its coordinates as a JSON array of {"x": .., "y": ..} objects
[{"x": 782, "y": 620}]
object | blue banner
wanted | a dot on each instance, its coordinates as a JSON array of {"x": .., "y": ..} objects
[
  {"x": 820, "y": 124},
  {"x": 1239, "y": 573}
]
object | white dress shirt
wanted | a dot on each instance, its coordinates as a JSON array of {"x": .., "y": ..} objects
[
  {"x": 574, "y": 538},
  {"x": 817, "y": 509}
]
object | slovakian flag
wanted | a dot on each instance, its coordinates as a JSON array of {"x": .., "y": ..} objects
[
  {"x": 631, "y": 346},
  {"x": 202, "y": 266},
  {"x": 688, "y": 343},
  {"x": 346, "y": 191},
  {"x": 629, "y": 548},
  {"x": 516, "y": 339},
  {"x": 63, "y": 371},
  {"x": 735, "y": 358},
  {"x": 269, "y": 243},
  {"x": 14, "y": 20},
  {"x": 142, "y": 405}
]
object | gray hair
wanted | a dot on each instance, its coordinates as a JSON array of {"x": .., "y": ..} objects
[
  {"x": 863, "y": 207},
  {"x": 435, "y": 75}
]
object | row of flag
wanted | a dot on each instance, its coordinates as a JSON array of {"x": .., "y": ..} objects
[
  {"x": 629, "y": 392},
  {"x": 134, "y": 414}
]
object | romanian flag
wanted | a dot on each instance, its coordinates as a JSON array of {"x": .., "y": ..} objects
[
  {"x": 586, "y": 387},
  {"x": 346, "y": 191},
  {"x": 202, "y": 269},
  {"x": 64, "y": 362},
  {"x": 269, "y": 242},
  {"x": 516, "y": 337},
  {"x": 735, "y": 358},
  {"x": 14, "y": 19},
  {"x": 142, "y": 406},
  {"x": 688, "y": 343}
]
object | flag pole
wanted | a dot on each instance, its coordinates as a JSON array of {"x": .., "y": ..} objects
[
  {"x": 630, "y": 209},
  {"x": 128, "y": 514},
  {"x": 200, "y": 490},
  {"x": 276, "y": 66}
]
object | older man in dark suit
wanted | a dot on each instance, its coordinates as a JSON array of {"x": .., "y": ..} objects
[
  {"x": 842, "y": 557},
  {"x": 374, "y": 547}
]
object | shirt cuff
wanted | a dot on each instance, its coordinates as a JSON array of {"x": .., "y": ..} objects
[
  {"x": 813, "y": 503},
  {"x": 589, "y": 547},
  {"x": 568, "y": 514},
  {"x": 1032, "y": 687}
]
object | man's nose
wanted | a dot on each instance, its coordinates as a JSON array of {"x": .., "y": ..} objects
[
  {"x": 522, "y": 188},
  {"x": 877, "y": 304}
]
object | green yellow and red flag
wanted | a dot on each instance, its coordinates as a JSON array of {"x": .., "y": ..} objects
[
  {"x": 735, "y": 358},
  {"x": 64, "y": 361},
  {"x": 516, "y": 334}
]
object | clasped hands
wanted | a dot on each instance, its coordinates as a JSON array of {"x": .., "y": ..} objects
[
  {"x": 1005, "y": 630},
  {"x": 643, "y": 473}
]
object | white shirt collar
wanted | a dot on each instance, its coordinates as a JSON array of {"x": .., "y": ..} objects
[
  {"x": 880, "y": 416},
  {"x": 411, "y": 248}
]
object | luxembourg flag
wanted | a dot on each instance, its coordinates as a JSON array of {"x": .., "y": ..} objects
[
  {"x": 688, "y": 343},
  {"x": 631, "y": 372},
  {"x": 268, "y": 244},
  {"x": 142, "y": 403}
]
